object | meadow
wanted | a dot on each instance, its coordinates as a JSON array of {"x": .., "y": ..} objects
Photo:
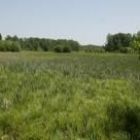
[{"x": 69, "y": 96}]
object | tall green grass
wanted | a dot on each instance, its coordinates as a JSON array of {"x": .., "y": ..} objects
[{"x": 77, "y": 96}]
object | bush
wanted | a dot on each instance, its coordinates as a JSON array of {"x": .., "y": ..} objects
[
  {"x": 44, "y": 48},
  {"x": 66, "y": 49},
  {"x": 58, "y": 49},
  {"x": 62, "y": 49},
  {"x": 126, "y": 50},
  {"x": 123, "y": 50},
  {"x": 14, "y": 46},
  {"x": 9, "y": 46},
  {"x": 2, "y": 48}
]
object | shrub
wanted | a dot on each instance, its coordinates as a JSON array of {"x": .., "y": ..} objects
[
  {"x": 66, "y": 49},
  {"x": 2, "y": 48},
  {"x": 45, "y": 48},
  {"x": 62, "y": 49},
  {"x": 10, "y": 46},
  {"x": 14, "y": 46},
  {"x": 58, "y": 49},
  {"x": 123, "y": 50}
]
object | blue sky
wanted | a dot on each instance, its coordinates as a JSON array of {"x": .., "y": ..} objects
[{"x": 87, "y": 21}]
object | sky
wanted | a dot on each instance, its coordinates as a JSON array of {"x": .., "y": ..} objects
[{"x": 86, "y": 21}]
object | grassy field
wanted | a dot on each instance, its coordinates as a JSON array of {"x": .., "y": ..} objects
[{"x": 76, "y": 96}]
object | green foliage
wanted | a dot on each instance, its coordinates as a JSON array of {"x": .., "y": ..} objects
[
  {"x": 126, "y": 50},
  {"x": 93, "y": 48},
  {"x": 136, "y": 43},
  {"x": 73, "y": 45},
  {"x": 58, "y": 49},
  {"x": 0, "y": 37},
  {"x": 66, "y": 49},
  {"x": 9, "y": 46},
  {"x": 125, "y": 43},
  {"x": 44, "y": 45},
  {"x": 118, "y": 42},
  {"x": 14, "y": 38},
  {"x": 36, "y": 44}
]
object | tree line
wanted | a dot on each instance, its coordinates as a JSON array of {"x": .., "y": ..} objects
[
  {"x": 13, "y": 43},
  {"x": 120, "y": 42}
]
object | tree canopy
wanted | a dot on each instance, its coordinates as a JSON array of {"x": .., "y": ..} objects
[
  {"x": 136, "y": 42},
  {"x": 44, "y": 44},
  {"x": 0, "y": 37},
  {"x": 118, "y": 42}
]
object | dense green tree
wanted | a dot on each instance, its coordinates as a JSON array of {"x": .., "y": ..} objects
[
  {"x": 118, "y": 42},
  {"x": 8, "y": 37},
  {"x": 10, "y": 46},
  {"x": 36, "y": 44},
  {"x": 66, "y": 49},
  {"x": 74, "y": 45},
  {"x": 0, "y": 37},
  {"x": 58, "y": 49},
  {"x": 44, "y": 45},
  {"x": 136, "y": 43}
]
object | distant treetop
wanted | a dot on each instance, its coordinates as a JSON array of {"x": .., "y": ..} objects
[{"x": 0, "y": 36}]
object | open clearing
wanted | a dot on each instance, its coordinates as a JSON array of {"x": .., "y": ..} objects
[{"x": 76, "y": 96}]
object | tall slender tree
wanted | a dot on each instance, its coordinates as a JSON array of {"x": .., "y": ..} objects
[
  {"x": 0, "y": 36},
  {"x": 136, "y": 42}
]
